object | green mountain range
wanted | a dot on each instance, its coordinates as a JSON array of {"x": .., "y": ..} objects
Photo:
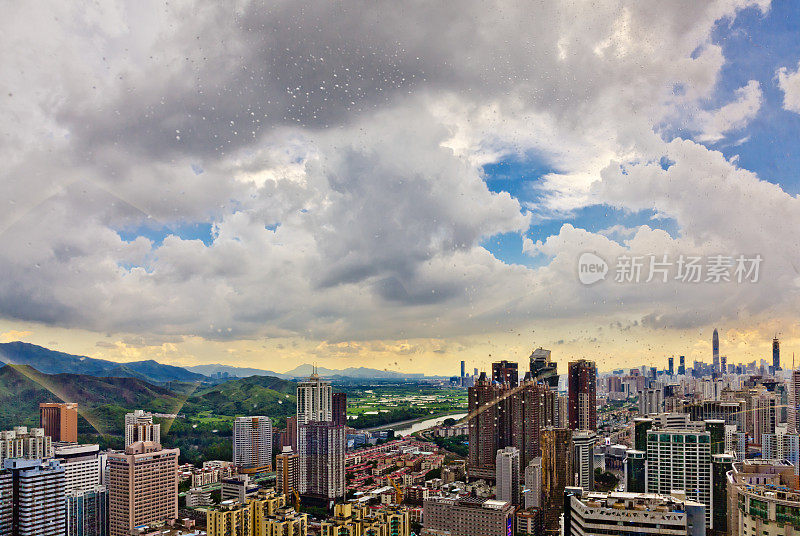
[{"x": 103, "y": 402}]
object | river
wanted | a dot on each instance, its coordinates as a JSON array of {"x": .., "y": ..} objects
[{"x": 421, "y": 425}]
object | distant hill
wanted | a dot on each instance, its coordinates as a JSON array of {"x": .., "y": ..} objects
[
  {"x": 303, "y": 371},
  {"x": 255, "y": 395},
  {"x": 353, "y": 372},
  {"x": 53, "y": 362},
  {"x": 101, "y": 401},
  {"x": 236, "y": 372}
]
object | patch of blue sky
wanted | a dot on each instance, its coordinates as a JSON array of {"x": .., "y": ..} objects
[
  {"x": 755, "y": 46},
  {"x": 521, "y": 178},
  {"x": 157, "y": 233}
]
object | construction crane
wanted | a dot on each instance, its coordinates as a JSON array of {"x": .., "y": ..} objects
[
  {"x": 398, "y": 491},
  {"x": 296, "y": 500}
]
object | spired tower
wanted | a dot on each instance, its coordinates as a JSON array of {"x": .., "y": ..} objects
[{"x": 715, "y": 346}]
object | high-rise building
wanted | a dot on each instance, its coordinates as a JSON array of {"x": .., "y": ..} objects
[
  {"x": 291, "y": 433},
  {"x": 542, "y": 369},
  {"x": 287, "y": 468},
  {"x": 505, "y": 372},
  {"x": 339, "y": 402},
  {"x": 322, "y": 455},
  {"x": 484, "y": 429},
  {"x": 86, "y": 512},
  {"x": 6, "y": 502},
  {"x": 720, "y": 465},
  {"x": 651, "y": 400},
  {"x": 641, "y": 425},
  {"x": 468, "y": 517},
  {"x": 557, "y": 469},
  {"x": 314, "y": 400},
  {"x": 682, "y": 365},
  {"x": 715, "y": 350},
  {"x": 59, "y": 420},
  {"x": 504, "y": 416},
  {"x": 463, "y": 371},
  {"x": 82, "y": 466},
  {"x": 561, "y": 410},
  {"x": 37, "y": 497},
  {"x": 680, "y": 459},
  {"x": 794, "y": 401},
  {"x": 583, "y": 459},
  {"x": 635, "y": 514},
  {"x": 252, "y": 443},
  {"x": 723, "y": 364},
  {"x": 533, "y": 484},
  {"x": 24, "y": 443},
  {"x": 671, "y": 366},
  {"x": 635, "y": 471},
  {"x": 507, "y": 464},
  {"x": 139, "y": 426},
  {"x": 776, "y": 354},
  {"x": 582, "y": 383},
  {"x": 142, "y": 486}
]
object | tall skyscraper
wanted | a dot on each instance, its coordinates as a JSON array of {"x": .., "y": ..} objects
[
  {"x": 505, "y": 372},
  {"x": 542, "y": 369},
  {"x": 37, "y": 497},
  {"x": 291, "y": 432},
  {"x": 503, "y": 416},
  {"x": 682, "y": 365},
  {"x": 86, "y": 512},
  {"x": 339, "y": 401},
  {"x": 287, "y": 468},
  {"x": 322, "y": 455},
  {"x": 776, "y": 354},
  {"x": 635, "y": 471},
  {"x": 59, "y": 420},
  {"x": 671, "y": 366},
  {"x": 463, "y": 371},
  {"x": 720, "y": 465},
  {"x": 723, "y": 364},
  {"x": 252, "y": 443},
  {"x": 582, "y": 383},
  {"x": 715, "y": 349},
  {"x": 583, "y": 459},
  {"x": 557, "y": 468},
  {"x": 794, "y": 401},
  {"x": 484, "y": 429},
  {"x": 314, "y": 400},
  {"x": 680, "y": 460},
  {"x": 142, "y": 486},
  {"x": 507, "y": 480},
  {"x": 139, "y": 426},
  {"x": 533, "y": 484}
]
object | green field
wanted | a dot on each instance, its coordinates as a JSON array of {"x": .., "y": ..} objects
[{"x": 380, "y": 404}]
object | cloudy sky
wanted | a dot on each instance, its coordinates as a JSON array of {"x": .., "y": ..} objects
[{"x": 397, "y": 184}]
